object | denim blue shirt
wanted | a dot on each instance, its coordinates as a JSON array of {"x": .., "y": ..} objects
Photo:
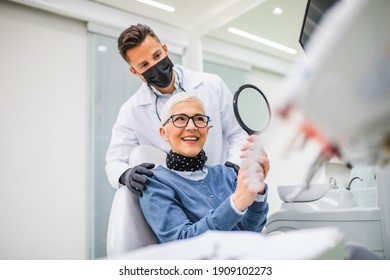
[{"x": 178, "y": 208}]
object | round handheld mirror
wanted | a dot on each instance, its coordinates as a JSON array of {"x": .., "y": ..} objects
[{"x": 251, "y": 109}]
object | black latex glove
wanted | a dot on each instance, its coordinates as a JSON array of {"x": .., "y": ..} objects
[
  {"x": 233, "y": 165},
  {"x": 135, "y": 178}
]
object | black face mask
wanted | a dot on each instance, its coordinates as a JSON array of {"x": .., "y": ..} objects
[{"x": 160, "y": 74}]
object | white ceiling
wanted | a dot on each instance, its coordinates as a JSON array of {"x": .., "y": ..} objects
[{"x": 211, "y": 18}]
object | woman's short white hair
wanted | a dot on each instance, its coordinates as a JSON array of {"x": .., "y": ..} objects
[{"x": 179, "y": 97}]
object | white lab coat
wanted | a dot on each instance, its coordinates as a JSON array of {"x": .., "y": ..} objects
[{"x": 137, "y": 123}]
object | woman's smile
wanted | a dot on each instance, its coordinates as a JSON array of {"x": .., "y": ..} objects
[{"x": 190, "y": 139}]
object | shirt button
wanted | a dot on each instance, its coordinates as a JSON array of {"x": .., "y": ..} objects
[{"x": 212, "y": 196}]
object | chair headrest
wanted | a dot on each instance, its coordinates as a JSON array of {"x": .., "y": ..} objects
[{"x": 147, "y": 153}]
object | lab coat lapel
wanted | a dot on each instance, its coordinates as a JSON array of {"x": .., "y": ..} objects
[{"x": 145, "y": 95}]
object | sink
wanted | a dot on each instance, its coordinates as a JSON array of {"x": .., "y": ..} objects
[
  {"x": 333, "y": 199},
  {"x": 296, "y": 193}
]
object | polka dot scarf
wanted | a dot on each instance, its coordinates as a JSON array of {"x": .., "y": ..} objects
[{"x": 182, "y": 163}]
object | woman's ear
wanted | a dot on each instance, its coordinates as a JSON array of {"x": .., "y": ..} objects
[{"x": 163, "y": 133}]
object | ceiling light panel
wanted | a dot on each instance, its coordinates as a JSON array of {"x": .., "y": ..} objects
[
  {"x": 261, "y": 40},
  {"x": 157, "y": 5}
]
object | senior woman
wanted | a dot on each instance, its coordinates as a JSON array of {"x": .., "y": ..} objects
[{"x": 188, "y": 197}]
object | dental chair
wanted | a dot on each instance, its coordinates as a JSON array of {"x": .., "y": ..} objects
[
  {"x": 127, "y": 227},
  {"x": 130, "y": 237}
]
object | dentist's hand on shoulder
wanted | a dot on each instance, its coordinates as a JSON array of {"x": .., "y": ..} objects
[{"x": 135, "y": 178}]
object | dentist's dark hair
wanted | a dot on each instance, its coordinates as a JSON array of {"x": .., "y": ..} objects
[{"x": 132, "y": 37}]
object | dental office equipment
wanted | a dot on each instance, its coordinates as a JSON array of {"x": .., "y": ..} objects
[
  {"x": 349, "y": 71},
  {"x": 350, "y": 182}
]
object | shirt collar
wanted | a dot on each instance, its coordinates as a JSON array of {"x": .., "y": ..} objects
[
  {"x": 193, "y": 175},
  {"x": 178, "y": 79}
]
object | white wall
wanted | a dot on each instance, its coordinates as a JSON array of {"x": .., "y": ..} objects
[{"x": 44, "y": 131}]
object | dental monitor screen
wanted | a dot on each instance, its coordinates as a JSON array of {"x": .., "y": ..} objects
[{"x": 315, "y": 10}]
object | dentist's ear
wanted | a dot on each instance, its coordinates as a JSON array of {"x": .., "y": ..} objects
[
  {"x": 165, "y": 48},
  {"x": 132, "y": 70}
]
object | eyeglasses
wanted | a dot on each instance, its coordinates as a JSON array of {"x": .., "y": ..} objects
[{"x": 181, "y": 120}]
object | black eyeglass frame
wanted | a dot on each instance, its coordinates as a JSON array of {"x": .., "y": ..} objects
[{"x": 188, "y": 119}]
